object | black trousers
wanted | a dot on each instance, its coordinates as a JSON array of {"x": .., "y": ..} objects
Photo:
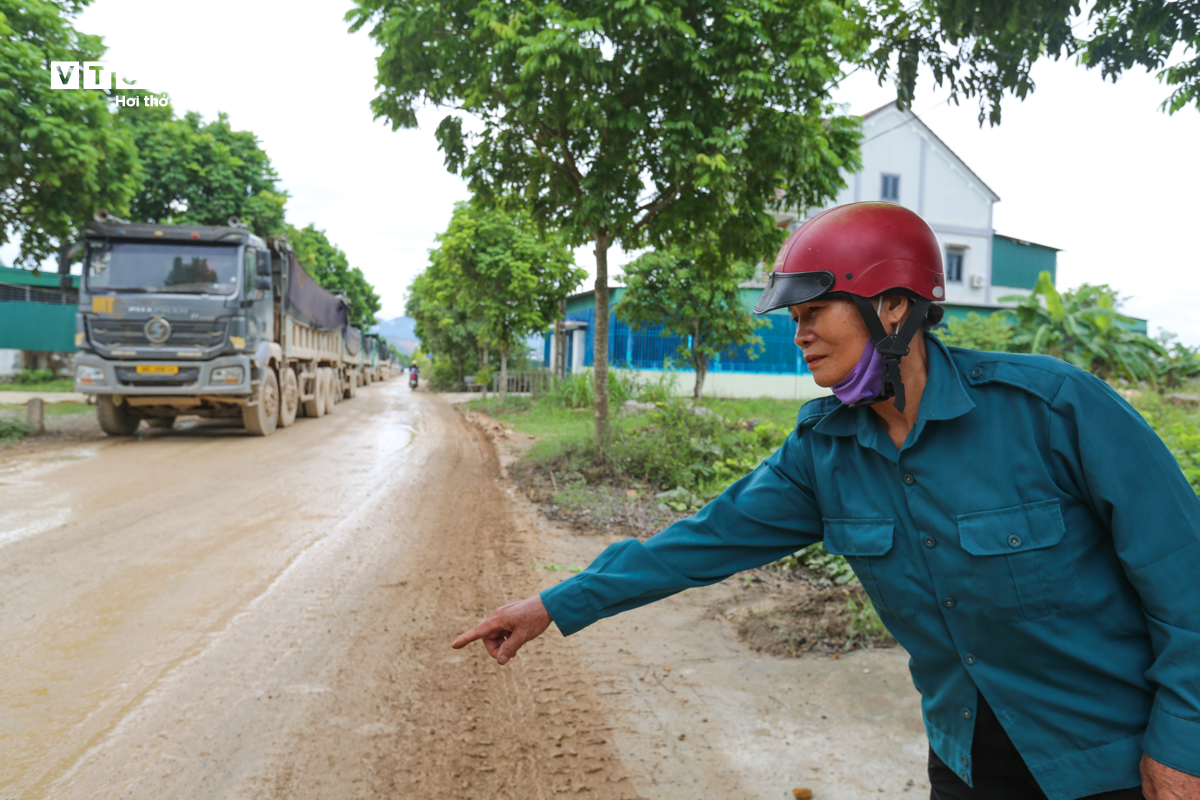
[{"x": 1000, "y": 772}]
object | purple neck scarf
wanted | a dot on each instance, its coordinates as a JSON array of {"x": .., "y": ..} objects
[{"x": 865, "y": 380}]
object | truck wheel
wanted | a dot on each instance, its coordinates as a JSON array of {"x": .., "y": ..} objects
[
  {"x": 289, "y": 398},
  {"x": 260, "y": 419},
  {"x": 116, "y": 420},
  {"x": 316, "y": 407},
  {"x": 331, "y": 392},
  {"x": 351, "y": 384},
  {"x": 162, "y": 423}
]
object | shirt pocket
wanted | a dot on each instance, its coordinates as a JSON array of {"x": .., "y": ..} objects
[
  {"x": 867, "y": 545},
  {"x": 1022, "y": 567}
]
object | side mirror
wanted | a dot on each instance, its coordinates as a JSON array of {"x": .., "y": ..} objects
[
  {"x": 263, "y": 283},
  {"x": 263, "y": 265}
]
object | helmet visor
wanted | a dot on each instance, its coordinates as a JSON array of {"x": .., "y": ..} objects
[{"x": 790, "y": 288}]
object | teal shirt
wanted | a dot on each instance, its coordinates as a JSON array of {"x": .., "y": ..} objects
[{"x": 1033, "y": 540}]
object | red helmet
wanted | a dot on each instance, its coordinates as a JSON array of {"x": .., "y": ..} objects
[{"x": 863, "y": 250}]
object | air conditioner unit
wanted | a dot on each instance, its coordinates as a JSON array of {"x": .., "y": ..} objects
[{"x": 977, "y": 281}]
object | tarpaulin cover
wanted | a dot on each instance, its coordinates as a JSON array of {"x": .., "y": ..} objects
[
  {"x": 353, "y": 340},
  {"x": 310, "y": 303}
]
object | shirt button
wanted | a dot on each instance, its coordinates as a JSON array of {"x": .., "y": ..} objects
[
  {"x": 949, "y": 602},
  {"x": 966, "y": 778},
  {"x": 970, "y": 660},
  {"x": 1014, "y": 541},
  {"x": 975, "y": 373},
  {"x": 966, "y": 713},
  {"x": 964, "y": 761},
  {"x": 929, "y": 542},
  {"x": 909, "y": 479}
]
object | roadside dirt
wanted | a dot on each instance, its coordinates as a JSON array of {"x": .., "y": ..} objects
[{"x": 699, "y": 711}]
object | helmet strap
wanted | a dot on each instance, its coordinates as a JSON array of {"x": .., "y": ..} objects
[{"x": 892, "y": 346}]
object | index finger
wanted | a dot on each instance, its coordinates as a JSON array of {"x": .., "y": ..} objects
[{"x": 478, "y": 632}]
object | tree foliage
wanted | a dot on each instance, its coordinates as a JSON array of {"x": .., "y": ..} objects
[
  {"x": 636, "y": 123},
  {"x": 199, "y": 173},
  {"x": 993, "y": 332},
  {"x": 500, "y": 269},
  {"x": 985, "y": 48},
  {"x": 446, "y": 330},
  {"x": 1084, "y": 328},
  {"x": 328, "y": 263},
  {"x": 62, "y": 155},
  {"x": 693, "y": 295}
]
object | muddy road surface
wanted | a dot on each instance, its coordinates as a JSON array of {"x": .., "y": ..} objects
[{"x": 199, "y": 613}]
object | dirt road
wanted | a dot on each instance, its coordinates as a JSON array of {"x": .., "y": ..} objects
[
  {"x": 205, "y": 614},
  {"x": 198, "y": 613}
]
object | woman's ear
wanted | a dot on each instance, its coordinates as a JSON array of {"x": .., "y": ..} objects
[{"x": 895, "y": 308}]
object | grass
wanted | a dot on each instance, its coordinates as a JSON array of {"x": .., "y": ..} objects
[
  {"x": 57, "y": 385},
  {"x": 52, "y": 409}
]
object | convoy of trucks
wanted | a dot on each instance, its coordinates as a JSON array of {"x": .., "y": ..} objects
[{"x": 210, "y": 321}]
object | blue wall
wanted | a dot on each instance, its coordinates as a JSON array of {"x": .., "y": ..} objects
[{"x": 629, "y": 349}]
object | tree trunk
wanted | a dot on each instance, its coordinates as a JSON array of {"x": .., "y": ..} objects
[
  {"x": 699, "y": 362},
  {"x": 503, "y": 374},
  {"x": 483, "y": 362},
  {"x": 600, "y": 348}
]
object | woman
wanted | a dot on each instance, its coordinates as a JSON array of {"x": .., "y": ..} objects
[{"x": 1022, "y": 532}]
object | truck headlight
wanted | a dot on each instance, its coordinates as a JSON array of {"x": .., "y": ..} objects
[
  {"x": 89, "y": 376},
  {"x": 227, "y": 375}
]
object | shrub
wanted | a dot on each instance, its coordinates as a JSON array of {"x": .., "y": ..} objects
[
  {"x": 11, "y": 429},
  {"x": 35, "y": 376},
  {"x": 977, "y": 332}
]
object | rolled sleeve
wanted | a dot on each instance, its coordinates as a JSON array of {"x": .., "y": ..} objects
[
  {"x": 765, "y": 516},
  {"x": 1132, "y": 482}
]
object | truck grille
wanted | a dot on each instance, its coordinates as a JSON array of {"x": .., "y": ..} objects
[
  {"x": 129, "y": 377},
  {"x": 131, "y": 333}
]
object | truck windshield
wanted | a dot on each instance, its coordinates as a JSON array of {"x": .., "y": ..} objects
[{"x": 166, "y": 267}]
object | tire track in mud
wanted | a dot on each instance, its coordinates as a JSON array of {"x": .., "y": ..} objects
[{"x": 407, "y": 716}]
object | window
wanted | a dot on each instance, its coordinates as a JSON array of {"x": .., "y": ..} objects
[
  {"x": 891, "y": 188},
  {"x": 954, "y": 264}
]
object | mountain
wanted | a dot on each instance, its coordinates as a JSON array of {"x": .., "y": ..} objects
[{"x": 400, "y": 331}]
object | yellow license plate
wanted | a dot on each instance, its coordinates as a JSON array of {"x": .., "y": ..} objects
[{"x": 157, "y": 369}]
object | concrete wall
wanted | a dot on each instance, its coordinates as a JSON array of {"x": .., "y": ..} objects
[{"x": 737, "y": 384}]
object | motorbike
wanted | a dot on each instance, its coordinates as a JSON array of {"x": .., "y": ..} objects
[{"x": 412, "y": 381}]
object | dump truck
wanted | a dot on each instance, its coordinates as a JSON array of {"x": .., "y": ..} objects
[{"x": 204, "y": 320}]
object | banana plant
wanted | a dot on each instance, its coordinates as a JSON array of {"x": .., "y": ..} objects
[{"x": 1084, "y": 328}]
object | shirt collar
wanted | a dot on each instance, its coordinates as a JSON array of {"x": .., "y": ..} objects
[{"x": 944, "y": 397}]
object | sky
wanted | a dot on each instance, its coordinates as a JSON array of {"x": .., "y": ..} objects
[{"x": 1090, "y": 167}]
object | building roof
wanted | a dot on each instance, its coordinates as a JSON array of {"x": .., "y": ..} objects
[
  {"x": 1027, "y": 242},
  {"x": 26, "y": 277},
  {"x": 915, "y": 118}
]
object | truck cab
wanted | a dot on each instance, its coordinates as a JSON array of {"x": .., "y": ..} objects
[{"x": 172, "y": 318}]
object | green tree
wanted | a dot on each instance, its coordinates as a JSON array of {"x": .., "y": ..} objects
[
  {"x": 328, "y": 263},
  {"x": 693, "y": 295},
  {"x": 444, "y": 328},
  {"x": 984, "y": 48},
  {"x": 199, "y": 173},
  {"x": 1084, "y": 328},
  {"x": 62, "y": 155},
  {"x": 501, "y": 269},
  {"x": 636, "y": 123},
  {"x": 992, "y": 332}
]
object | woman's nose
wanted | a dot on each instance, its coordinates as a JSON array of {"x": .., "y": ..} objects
[{"x": 803, "y": 334}]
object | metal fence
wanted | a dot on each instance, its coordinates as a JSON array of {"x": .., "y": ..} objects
[
  {"x": 534, "y": 382},
  {"x": 648, "y": 349},
  {"x": 13, "y": 293}
]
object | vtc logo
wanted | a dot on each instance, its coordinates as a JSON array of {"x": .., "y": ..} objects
[{"x": 89, "y": 75}]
